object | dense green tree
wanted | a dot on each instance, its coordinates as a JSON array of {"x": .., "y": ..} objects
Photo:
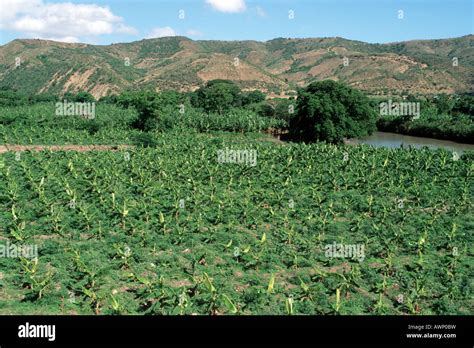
[
  {"x": 265, "y": 109},
  {"x": 150, "y": 105},
  {"x": 145, "y": 102},
  {"x": 80, "y": 97},
  {"x": 218, "y": 96},
  {"x": 109, "y": 99},
  {"x": 331, "y": 111},
  {"x": 43, "y": 98},
  {"x": 11, "y": 98},
  {"x": 280, "y": 108},
  {"x": 84, "y": 97},
  {"x": 285, "y": 109},
  {"x": 464, "y": 105},
  {"x": 252, "y": 97},
  {"x": 444, "y": 103}
]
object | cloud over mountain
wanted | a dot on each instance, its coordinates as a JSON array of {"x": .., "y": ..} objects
[
  {"x": 60, "y": 21},
  {"x": 228, "y": 6}
]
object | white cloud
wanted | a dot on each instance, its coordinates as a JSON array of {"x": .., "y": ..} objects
[
  {"x": 62, "y": 21},
  {"x": 194, "y": 32},
  {"x": 125, "y": 29},
  {"x": 161, "y": 32},
  {"x": 260, "y": 12},
  {"x": 228, "y": 6},
  {"x": 70, "y": 39}
]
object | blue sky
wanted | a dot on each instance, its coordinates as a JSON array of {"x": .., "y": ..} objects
[{"x": 109, "y": 21}]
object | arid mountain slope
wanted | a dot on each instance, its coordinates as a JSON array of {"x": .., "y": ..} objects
[{"x": 278, "y": 66}]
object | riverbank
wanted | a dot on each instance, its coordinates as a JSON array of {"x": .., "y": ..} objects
[
  {"x": 395, "y": 140},
  {"x": 459, "y": 129}
]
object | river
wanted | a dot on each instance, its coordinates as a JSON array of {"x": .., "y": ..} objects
[{"x": 394, "y": 140}]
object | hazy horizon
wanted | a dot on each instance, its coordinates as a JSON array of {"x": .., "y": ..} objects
[{"x": 244, "y": 40}]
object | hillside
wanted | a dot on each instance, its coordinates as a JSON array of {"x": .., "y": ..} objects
[{"x": 276, "y": 67}]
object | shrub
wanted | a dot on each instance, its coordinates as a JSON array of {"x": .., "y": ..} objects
[
  {"x": 464, "y": 105},
  {"x": 150, "y": 105},
  {"x": 81, "y": 97},
  {"x": 145, "y": 140}
]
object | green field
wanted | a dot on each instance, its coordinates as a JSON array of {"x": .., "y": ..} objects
[{"x": 171, "y": 230}]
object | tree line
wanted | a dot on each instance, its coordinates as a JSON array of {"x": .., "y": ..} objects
[{"x": 323, "y": 111}]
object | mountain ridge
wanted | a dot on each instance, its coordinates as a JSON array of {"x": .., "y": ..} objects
[{"x": 277, "y": 67}]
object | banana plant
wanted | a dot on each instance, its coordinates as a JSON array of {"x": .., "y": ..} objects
[{"x": 37, "y": 282}]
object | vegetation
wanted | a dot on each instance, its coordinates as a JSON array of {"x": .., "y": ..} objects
[
  {"x": 81, "y": 97},
  {"x": 218, "y": 96},
  {"x": 165, "y": 226},
  {"x": 441, "y": 117},
  {"x": 121, "y": 119},
  {"x": 279, "y": 108},
  {"x": 13, "y": 98},
  {"x": 252, "y": 97},
  {"x": 170, "y": 230},
  {"x": 179, "y": 63},
  {"x": 330, "y": 111}
]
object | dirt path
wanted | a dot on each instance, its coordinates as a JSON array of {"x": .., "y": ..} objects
[{"x": 80, "y": 148}]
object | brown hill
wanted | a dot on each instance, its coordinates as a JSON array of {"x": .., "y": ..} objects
[{"x": 277, "y": 67}]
